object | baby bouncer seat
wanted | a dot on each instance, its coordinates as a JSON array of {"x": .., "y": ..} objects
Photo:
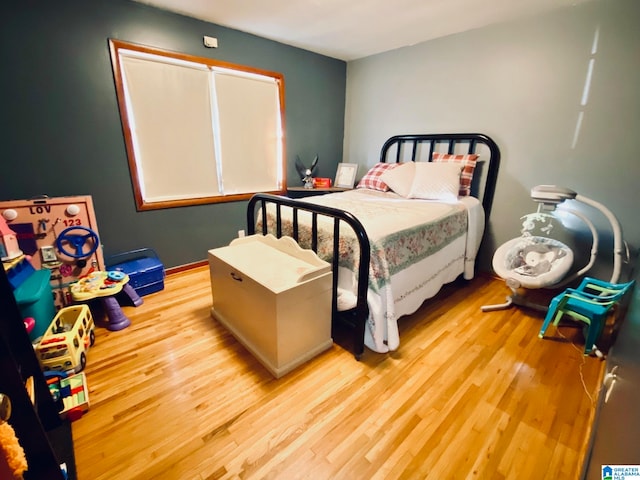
[
  {"x": 530, "y": 262},
  {"x": 534, "y": 261}
]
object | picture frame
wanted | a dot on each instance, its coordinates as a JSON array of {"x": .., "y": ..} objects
[{"x": 346, "y": 175}]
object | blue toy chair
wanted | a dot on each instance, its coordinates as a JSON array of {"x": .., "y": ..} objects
[{"x": 589, "y": 303}]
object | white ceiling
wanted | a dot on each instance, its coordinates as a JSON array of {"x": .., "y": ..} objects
[{"x": 352, "y": 29}]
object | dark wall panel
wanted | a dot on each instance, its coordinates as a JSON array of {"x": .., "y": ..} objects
[{"x": 62, "y": 134}]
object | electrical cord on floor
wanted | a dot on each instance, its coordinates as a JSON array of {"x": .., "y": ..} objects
[{"x": 598, "y": 354}]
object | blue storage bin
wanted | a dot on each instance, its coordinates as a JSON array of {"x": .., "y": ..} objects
[
  {"x": 146, "y": 272},
  {"x": 35, "y": 299},
  {"x": 19, "y": 271}
]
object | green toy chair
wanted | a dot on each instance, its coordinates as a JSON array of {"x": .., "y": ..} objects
[{"x": 589, "y": 303}]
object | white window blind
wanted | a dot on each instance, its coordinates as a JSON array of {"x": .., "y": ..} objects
[
  {"x": 170, "y": 115},
  {"x": 198, "y": 130},
  {"x": 249, "y": 132}
]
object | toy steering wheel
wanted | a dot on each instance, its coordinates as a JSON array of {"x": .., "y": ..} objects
[{"x": 77, "y": 241}]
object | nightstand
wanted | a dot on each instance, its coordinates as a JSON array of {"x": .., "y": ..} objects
[{"x": 301, "y": 192}]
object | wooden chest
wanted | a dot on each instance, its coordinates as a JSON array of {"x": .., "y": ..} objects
[{"x": 274, "y": 297}]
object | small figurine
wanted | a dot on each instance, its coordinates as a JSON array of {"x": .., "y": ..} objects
[{"x": 306, "y": 174}]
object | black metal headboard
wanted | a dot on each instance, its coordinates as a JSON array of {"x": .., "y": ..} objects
[{"x": 420, "y": 148}]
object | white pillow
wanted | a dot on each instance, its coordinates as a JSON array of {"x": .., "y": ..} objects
[
  {"x": 400, "y": 179},
  {"x": 436, "y": 181}
]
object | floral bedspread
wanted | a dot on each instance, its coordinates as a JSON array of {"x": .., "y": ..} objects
[{"x": 401, "y": 232}]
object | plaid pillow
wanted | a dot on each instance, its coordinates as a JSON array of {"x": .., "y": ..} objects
[
  {"x": 468, "y": 166},
  {"x": 372, "y": 178}
]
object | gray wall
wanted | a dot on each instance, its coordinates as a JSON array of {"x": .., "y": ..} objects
[
  {"x": 521, "y": 83},
  {"x": 62, "y": 134}
]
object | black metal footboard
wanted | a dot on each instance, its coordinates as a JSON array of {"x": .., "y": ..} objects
[{"x": 355, "y": 318}]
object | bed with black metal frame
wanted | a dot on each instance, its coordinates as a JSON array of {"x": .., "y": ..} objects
[{"x": 290, "y": 217}]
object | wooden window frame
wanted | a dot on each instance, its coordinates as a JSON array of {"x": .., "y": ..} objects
[{"x": 134, "y": 165}]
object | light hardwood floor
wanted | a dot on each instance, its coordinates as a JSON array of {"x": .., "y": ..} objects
[{"x": 467, "y": 395}]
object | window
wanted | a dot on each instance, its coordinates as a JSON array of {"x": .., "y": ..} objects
[
  {"x": 53, "y": 353},
  {"x": 198, "y": 130}
]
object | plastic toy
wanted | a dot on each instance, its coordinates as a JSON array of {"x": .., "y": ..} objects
[
  {"x": 69, "y": 392},
  {"x": 78, "y": 242},
  {"x": 145, "y": 270},
  {"x": 29, "y": 324},
  {"x": 65, "y": 343},
  {"x": 98, "y": 284},
  {"x": 9, "y": 248},
  {"x": 40, "y": 223},
  {"x": 105, "y": 285}
]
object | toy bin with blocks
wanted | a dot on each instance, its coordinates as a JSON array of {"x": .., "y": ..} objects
[{"x": 70, "y": 393}]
